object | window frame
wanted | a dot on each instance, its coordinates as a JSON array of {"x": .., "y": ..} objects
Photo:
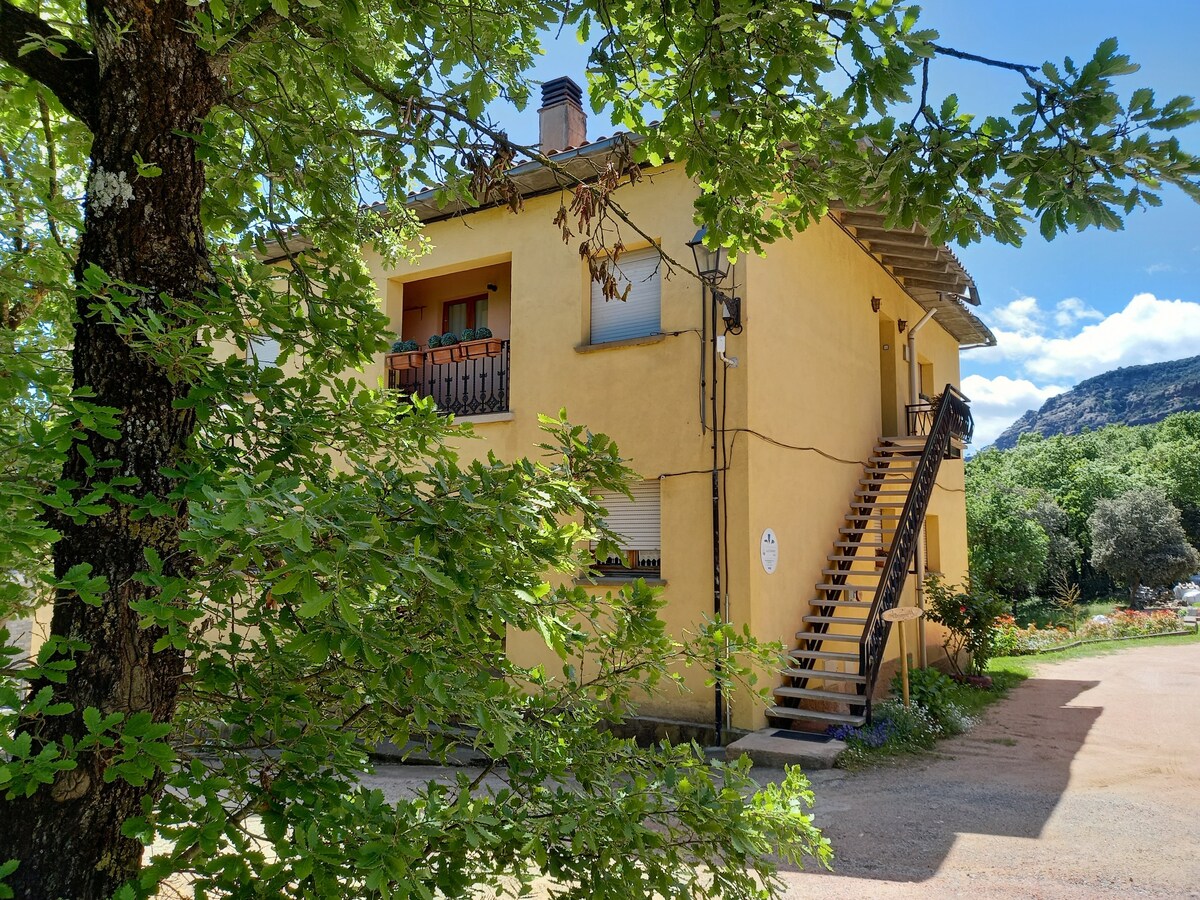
[{"x": 472, "y": 307}]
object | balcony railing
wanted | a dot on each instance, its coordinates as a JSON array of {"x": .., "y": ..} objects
[{"x": 467, "y": 387}]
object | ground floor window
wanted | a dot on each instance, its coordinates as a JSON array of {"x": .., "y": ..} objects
[{"x": 639, "y": 524}]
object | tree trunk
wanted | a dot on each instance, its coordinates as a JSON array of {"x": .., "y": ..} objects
[{"x": 155, "y": 83}]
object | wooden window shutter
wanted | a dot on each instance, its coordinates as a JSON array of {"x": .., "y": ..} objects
[{"x": 638, "y": 315}]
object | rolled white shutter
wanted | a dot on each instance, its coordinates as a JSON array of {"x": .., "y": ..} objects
[
  {"x": 638, "y": 314},
  {"x": 638, "y": 522}
]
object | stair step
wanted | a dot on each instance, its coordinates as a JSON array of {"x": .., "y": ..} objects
[
  {"x": 864, "y": 530},
  {"x": 824, "y": 636},
  {"x": 849, "y": 572},
  {"x": 816, "y": 694},
  {"x": 823, "y": 674},
  {"x": 904, "y": 440},
  {"x": 787, "y": 712},
  {"x": 847, "y": 604},
  {"x": 828, "y": 655},
  {"x": 881, "y": 493},
  {"x": 848, "y": 544},
  {"x": 835, "y": 620},
  {"x": 844, "y": 588},
  {"x": 865, "y": 558},
  {"x": 900, "y": 478},
  {"x": 894, "y": 459}
]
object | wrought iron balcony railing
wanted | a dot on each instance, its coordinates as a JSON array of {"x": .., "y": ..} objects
[{"x": 464, "y": 387}]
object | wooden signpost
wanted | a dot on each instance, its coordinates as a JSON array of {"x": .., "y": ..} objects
[{"x": 899, "y": 616}]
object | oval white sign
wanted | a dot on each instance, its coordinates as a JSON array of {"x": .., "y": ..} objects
[{"x": 768, "y": 551}]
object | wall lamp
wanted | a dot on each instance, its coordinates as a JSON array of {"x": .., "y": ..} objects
[
  {"x": 876, "y": 302},
  {"x": 712, "y": 265},
  {"x": 901, "y": 324}
]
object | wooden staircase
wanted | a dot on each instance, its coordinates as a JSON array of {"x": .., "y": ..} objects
[
  {"x": 823, "y": 684},
  {"x": 830, "y": 677}
]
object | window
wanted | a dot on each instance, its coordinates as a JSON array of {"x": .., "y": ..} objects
[
  {"x": 262, "y": 351},
  {"x": 638, "y": 314},
  {"x": 470, "y": 312},
  {"x": 638, "y": 522}
]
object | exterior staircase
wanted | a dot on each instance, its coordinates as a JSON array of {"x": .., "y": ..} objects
[{"x": 831, "y": 675}]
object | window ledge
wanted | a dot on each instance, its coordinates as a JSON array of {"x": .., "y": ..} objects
[
  {"x": 601, "y": 580},
  {"x": 486, "y": 418},
  {"x": 617, "y": 345}
]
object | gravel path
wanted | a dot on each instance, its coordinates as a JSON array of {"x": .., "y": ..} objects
[{"x": 1084, "y": 783}]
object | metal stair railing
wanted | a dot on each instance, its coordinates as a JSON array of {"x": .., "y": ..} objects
[{"x": 951, "y": 419}]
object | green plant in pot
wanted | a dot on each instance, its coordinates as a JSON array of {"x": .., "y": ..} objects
[
  {"x": 435, "y": 340},
  {"x": 467, "y": 334},
  {"x": 398, "y": 345},
  {"x": 481, "y": 343},
  {"x": 447, "y": 348}
]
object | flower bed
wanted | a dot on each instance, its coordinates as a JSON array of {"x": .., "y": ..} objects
[{"x": 1010, "y": 639}]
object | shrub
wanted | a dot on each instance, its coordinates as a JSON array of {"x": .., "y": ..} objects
[
  {"x": 435, "y": 340},
  {"x": 482, "y": 332},
  {"x": 449, "y": 339},
  {"x": 468, "y": 334},
  {"x": 934, "y": 692},
  {"x": 893, "y": 729},
  {"x": 970, "y": 617},
  {"x": 411, "y": 346},
  {"x": 398, "y": 346}
]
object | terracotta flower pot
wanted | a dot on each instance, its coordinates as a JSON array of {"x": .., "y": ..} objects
[
  {"x": 409, "y": 359},
  {"x": 481, "y": 348},
  {"x": 443, "y": 355}
]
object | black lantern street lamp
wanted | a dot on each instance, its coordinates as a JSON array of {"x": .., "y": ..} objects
[{"x": 711, "y": 265}]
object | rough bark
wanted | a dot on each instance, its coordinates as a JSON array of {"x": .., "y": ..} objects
[{"x": 153, "y": 83}]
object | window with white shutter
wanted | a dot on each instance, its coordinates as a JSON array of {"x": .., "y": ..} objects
[
  {"x": 638, "y": 522},
  {"x": 638, "y": 314}
]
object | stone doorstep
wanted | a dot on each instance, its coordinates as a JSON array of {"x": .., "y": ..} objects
[{"x": 765, "y": 749}]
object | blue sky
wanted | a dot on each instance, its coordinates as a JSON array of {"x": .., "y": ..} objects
[{"x": 1083, "y": 303}]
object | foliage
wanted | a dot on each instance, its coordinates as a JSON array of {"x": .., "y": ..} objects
[
  {"x": 1007, "y": 547},
  {"x": 468, "y": 334},
  {"x": 936, "y": 693},
  {"x": 969, "y": 616},
  {"x": 1138, "y": 539},
  {"x": 893, "y": 730},
  {"x": 331, "y": 573},
  {"x": 482, "y": 332},
  {"x": 1066, "y": 602},
  {"x": 449, "y": 339},
  {"x": 1064, "y": 477}
]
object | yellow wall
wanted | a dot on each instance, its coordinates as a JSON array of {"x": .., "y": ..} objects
[{"x": 811, "y": 374}]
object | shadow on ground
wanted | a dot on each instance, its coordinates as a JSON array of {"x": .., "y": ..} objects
[{"x": 1005, "y": 777}]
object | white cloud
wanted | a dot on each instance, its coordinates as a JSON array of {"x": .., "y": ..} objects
[
  {"x": 998, "y": 402},
  {"x": 1147, "y": 330},
  {"x": 1073, "y": 310},
  {"x": 1022, "y": 315}
]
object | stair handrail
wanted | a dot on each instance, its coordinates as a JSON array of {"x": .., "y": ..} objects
[{"x": 952, "y": 419}]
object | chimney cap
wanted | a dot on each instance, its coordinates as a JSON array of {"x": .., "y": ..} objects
[{"x": 561, "y": 90}]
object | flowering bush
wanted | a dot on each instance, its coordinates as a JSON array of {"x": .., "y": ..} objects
[
  {"x": 970, "y": 617},
  {"x": 1009, "y": 639},
  {"x": 894, "y": 728}
]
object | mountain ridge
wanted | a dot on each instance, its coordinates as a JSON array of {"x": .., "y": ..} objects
[{"x": 1130, "y": 395}]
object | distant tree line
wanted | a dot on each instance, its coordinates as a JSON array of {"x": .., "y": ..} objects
[{"x": 1114, "y": 507}]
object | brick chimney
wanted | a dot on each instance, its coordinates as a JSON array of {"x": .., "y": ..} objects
[{"x": 561, "y": 120}]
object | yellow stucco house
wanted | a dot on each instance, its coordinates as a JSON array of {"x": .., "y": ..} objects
[{"x": 797, "y": 443}]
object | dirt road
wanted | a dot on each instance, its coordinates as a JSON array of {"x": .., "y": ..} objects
[{"x": 1084, "y": 783}]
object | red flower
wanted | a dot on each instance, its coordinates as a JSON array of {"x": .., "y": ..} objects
[{"x": 962, "y": 609}]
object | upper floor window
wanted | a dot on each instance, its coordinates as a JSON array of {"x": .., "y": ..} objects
[
  {"x": 639, "y": 314},
  {"x": 470, "y": 312},
  {"x": 639, "y": 524},
  {"x": 262, "y": 351}
]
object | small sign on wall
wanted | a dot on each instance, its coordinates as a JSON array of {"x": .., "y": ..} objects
[{"x": 768, "y": 551}]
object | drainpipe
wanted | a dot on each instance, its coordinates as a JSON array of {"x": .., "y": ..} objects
[
  {"x": 914, "y": 396},
  {"x": 914, "y": 371}
]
